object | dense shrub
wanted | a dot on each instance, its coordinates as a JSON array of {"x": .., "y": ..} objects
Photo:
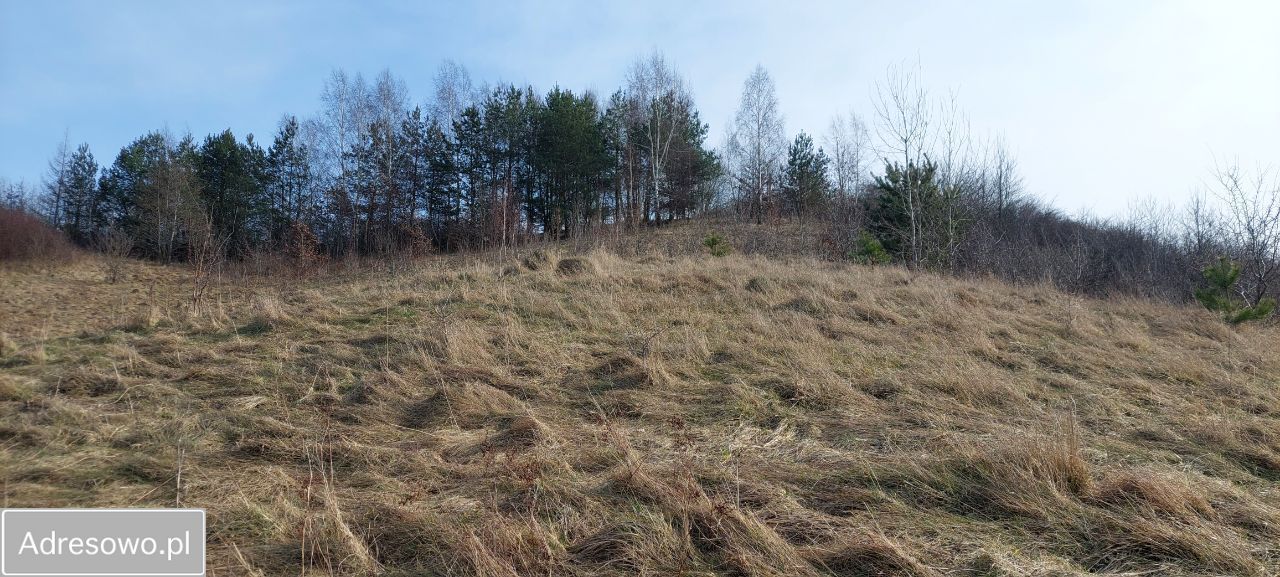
[{"x": 24, "y": 237}]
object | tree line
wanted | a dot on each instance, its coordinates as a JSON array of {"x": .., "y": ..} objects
[
  {"x": 916, "y": 186},
  {"x": 370, "y": 173},
  {"x": 480, "y": 167}
]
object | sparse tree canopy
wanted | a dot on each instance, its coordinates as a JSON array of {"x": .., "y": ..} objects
[{"x": 848, "y": 144}]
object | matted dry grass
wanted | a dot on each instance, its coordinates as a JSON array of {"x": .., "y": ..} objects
[{"x": 651, "y": 414}]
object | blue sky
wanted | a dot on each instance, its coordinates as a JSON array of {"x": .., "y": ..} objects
[{"x": 1103, "y": 102}]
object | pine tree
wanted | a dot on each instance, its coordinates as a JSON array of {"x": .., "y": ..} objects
[
  {"x": 442, "y": 181},
  {"x": 414, "y": 173},
  {"x": 81, "y": 195},
  {"x": 571, "y": 160},
  {"x": 472, "y": 152},
  {"x": 868, "y": 250},
  {"x": 289, "y": 182},
  {"x": 377, "y": 194},
  {"x": 897, "y": 212},
  {"x": 510, "y": 116},
  {"x": 123, "y": 184},
  {"x": 805, "y": 184},
  {"x": 231, "y": 179},
  {"x": 691, "y": 170}
]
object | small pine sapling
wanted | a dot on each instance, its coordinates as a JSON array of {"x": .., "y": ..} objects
[
  {"x": 717, "y": 244},
  {"x": 869, "y": 250},
  {"x": 1219, "y": 295}
]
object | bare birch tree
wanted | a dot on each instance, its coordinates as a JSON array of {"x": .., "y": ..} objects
[
  {"x": 389, "y": 100},
  {"x": 756, "y": 144},
  {"x": 902, "y": 126},
  {"x": 662, "y": 103},
  {"x": 1251, "y": 221},
  {"x": 959, "y": 175},
  {"x": 169, "y": 202},
  {"x": 453, "y": 94},
  {"x": 345, "y": 111},
  {"x": 848, "y": 143}
]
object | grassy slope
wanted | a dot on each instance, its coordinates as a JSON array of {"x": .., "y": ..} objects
[{"x": 651, "y": 415}]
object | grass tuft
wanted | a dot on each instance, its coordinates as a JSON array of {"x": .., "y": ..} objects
[{"x": 652, "y": 410}]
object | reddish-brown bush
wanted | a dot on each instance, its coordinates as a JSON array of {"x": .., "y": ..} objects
[{"x": 24, "y": 237}]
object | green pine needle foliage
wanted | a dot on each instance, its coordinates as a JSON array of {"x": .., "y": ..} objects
[
  {"x": 869, "y": 250},
  {"x": 1219, "y": 295},
  {"x": 717, "y": 244}
]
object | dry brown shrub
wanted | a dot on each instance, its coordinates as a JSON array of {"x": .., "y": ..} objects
[
  {"x": 114, "y": 245},
  {"x": 24, "y": 237},
  {"x": 303, "y": 248}
]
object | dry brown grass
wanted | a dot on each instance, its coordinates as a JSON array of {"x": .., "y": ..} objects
[{"x": 659, "y": 413}]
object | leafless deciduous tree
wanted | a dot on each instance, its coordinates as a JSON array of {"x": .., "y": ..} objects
[
  {"x": 346, "y": 110},
  {"x": 1200, "y": 238},
  {"x": 662, "y": 103},
  {"x": 170, "y": 199},
  {"x": 16, "y": 194},
  {"x": 1251, "y": 223},
  {"x": 453, "y": 94},
  {"x": 115, "y": 245},
  {"x": 849, "y": 145},
  {"x": 1002, "y": 183},
  {"x": 205, "y": 255},
  {"x": 56, "y": 183},
  {"x": 756, "y": 144},
  {"x": 903, "y": 118},
  {"x": 389, "y": 102},
  {"x": 959, "y": 177}
]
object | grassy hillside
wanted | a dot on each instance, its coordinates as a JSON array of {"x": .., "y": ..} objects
[{"x": 601, "y": 415}]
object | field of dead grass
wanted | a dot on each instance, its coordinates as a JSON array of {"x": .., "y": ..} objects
[{"x": 545, "y": 414}]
